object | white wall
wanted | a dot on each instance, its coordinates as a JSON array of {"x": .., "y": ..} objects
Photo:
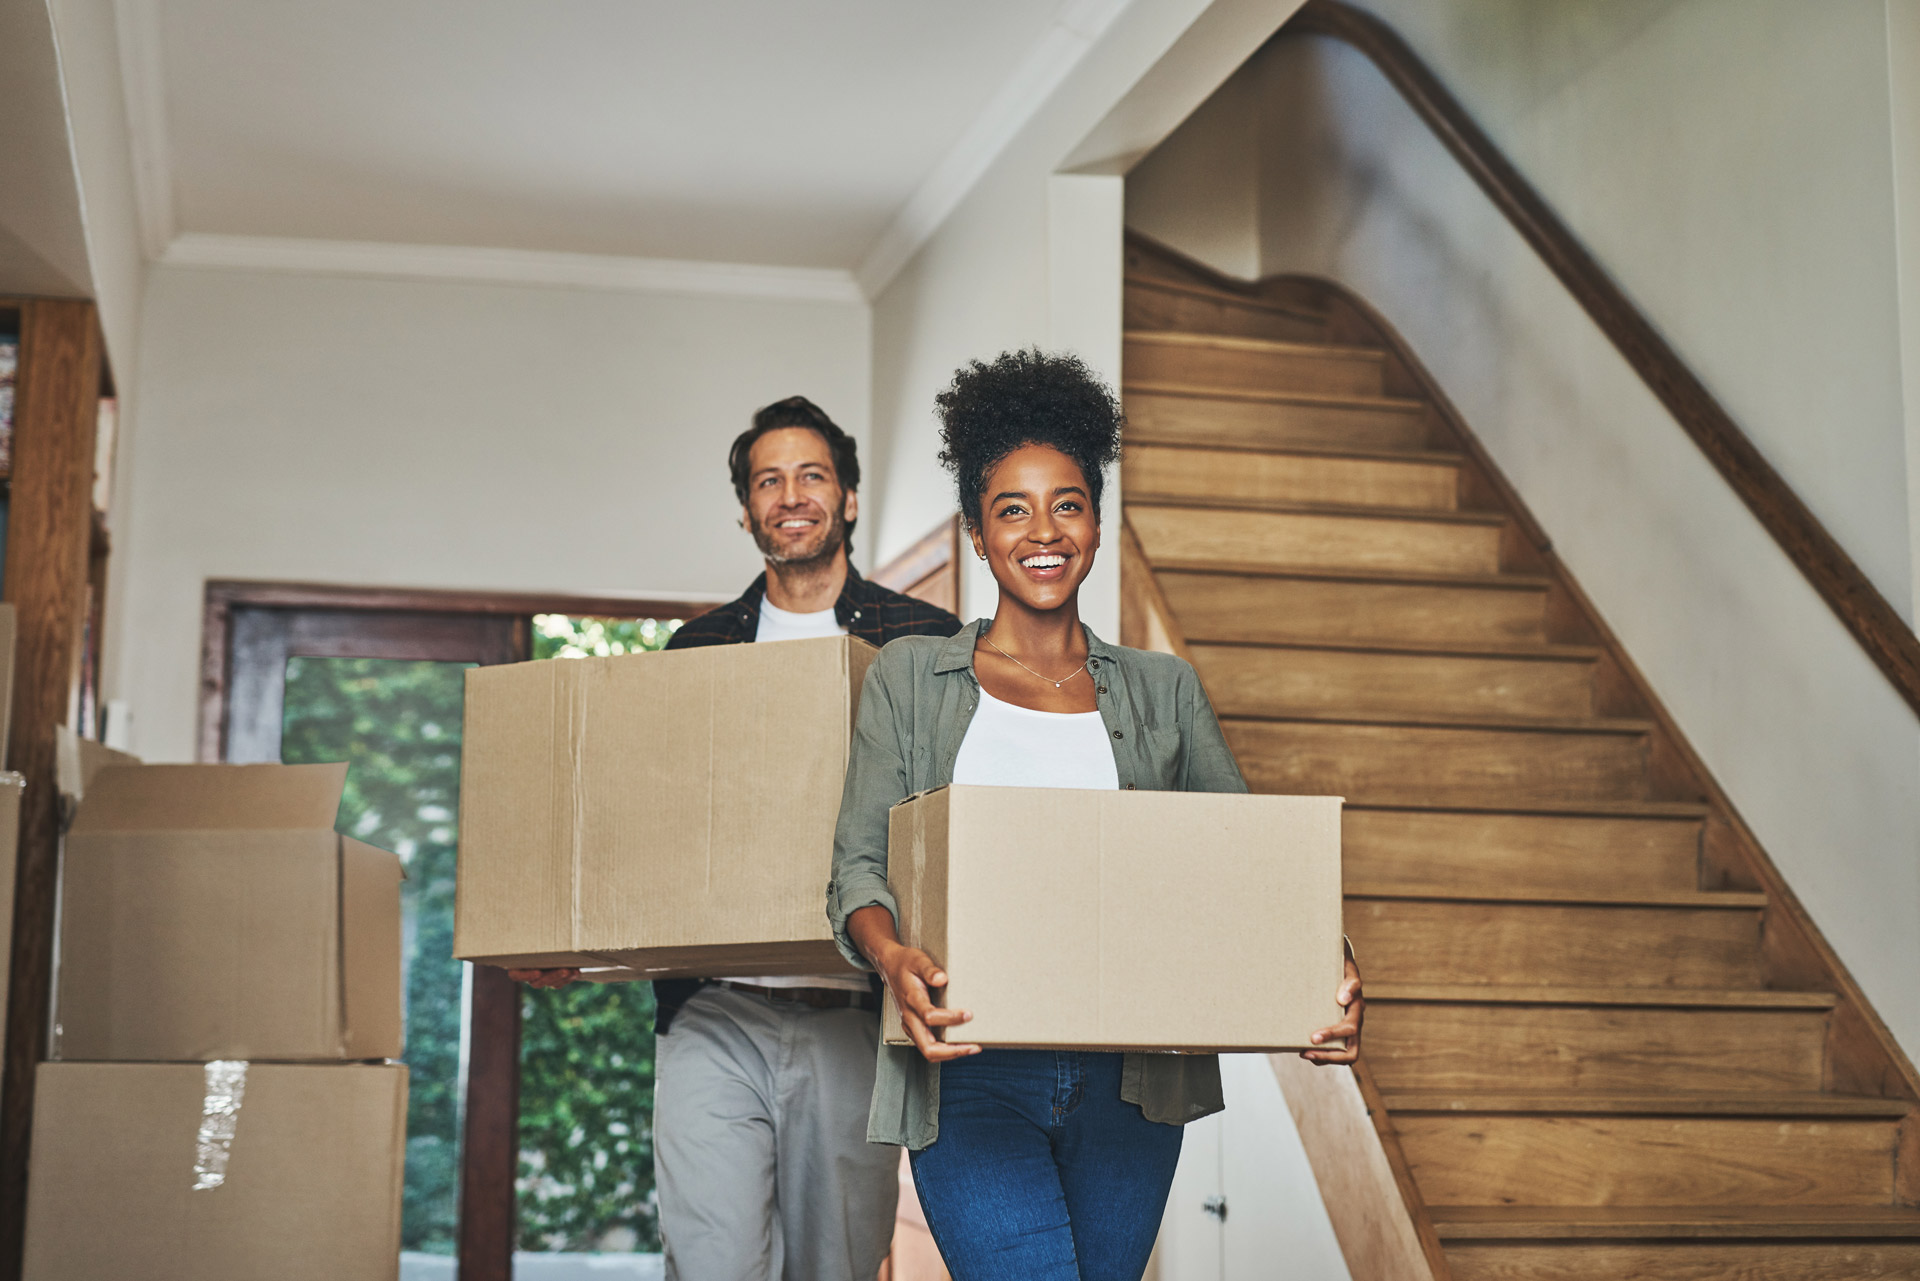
[
  {"x": 987, "y": 282},
  {"x": 1731, "y": 164},
  {"x": 420, "y": 434}
]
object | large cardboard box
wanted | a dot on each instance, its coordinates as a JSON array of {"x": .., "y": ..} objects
[
  {"x": 216, "y": 1172},
  {"x": 671, "y": 813},
  {"x": 211, "y": 912},
  {"x": 1124, "y": 920}
]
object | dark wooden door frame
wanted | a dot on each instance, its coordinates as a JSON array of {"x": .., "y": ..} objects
[
  {"x": 62, "y": 376},
  {"x": 279, "y": 620}
]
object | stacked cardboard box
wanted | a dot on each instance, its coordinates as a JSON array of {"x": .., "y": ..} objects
[{"x": 227, "y": 995}]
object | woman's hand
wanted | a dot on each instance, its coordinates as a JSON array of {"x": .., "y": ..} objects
[
  {"x": 545, "y": 978},
  {"x": 1348, "y": 1028},
  {"x": 911, "y": 975}
]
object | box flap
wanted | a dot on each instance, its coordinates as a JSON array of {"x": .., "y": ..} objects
[
  {"x": 205, "y": 798},
  {"x": 370, "y": 949}
]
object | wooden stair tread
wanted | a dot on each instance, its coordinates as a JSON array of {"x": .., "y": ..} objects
[
  {"x": 1597, "y": 1103},
  {"x": 1668, "y": 997},
  {"x": 1425, "y": 516},
  {"x": 1325, "y": 399},
  {"x": 1678, "y": 811},
  {"x": 1732, "y": 900},
  {"x": 1545, "y": 651},
  {"x": 1164, "y": 285},
  {"x": 1236, "y": 342},
  {"x": 1503, "y": 1222},
  {"x": 1230, "y": 445},
  {"x": 1425, "y": 720},
  {"x": 1385, "y": 577}
]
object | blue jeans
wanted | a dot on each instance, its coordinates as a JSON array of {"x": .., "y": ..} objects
[{"x": 1041, "y": 1172}]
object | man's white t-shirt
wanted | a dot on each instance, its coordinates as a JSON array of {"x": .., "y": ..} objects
[{"x": 778, "y": 624}]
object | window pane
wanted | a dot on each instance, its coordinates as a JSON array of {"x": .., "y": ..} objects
[
  {"x": 586, "y": 1060},
  {"x": 397, "y": 725}
]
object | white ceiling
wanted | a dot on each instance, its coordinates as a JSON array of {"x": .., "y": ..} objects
[{"x": 781, "y": 132}]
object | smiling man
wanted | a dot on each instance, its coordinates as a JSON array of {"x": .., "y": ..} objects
[{"x": 762, "y": 1084}]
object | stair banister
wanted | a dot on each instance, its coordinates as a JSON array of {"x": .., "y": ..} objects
[{"x": 1875, "y": 624}]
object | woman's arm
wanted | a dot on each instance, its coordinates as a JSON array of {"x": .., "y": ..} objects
[
  {"x": 911, "y": 975},
  {"x": 860, "y": 903}
]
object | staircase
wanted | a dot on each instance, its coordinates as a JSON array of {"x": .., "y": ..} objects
[{"x": 1606, "y": 1041}]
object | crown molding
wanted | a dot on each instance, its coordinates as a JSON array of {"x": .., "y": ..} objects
[
  {"x": 1019, "y": 99},
  {"x": 144, "y": 97},
  {"x": 512, "y": 267}
]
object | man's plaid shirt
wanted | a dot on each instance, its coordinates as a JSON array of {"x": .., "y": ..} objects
[{"x": 865, "y": 609}]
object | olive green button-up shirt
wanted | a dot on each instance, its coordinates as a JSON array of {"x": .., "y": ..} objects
[{"x": 918, "y": 700}]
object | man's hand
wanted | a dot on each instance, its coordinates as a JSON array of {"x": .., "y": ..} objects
[
  {"x": 1348, "y": 1028},
  {"x": 545, "y": 978},
  {"x": 911, "y": 975}
]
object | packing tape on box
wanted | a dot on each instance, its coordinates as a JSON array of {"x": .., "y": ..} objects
[{"x": 219, "y": 1119}]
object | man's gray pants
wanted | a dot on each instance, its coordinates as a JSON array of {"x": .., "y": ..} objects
[{"x": 760, "y": 1143}]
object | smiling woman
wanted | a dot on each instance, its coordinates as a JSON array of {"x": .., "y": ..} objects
[{"x": 1034, "y": 1164}]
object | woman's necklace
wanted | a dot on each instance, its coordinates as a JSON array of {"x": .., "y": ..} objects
[{"x": 1022, "y": 666}]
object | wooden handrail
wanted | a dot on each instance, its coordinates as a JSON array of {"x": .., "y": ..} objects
[{"x": 1875, "y": 624}]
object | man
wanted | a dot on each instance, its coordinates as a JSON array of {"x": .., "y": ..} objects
[{"x": 762, "y": 1085}]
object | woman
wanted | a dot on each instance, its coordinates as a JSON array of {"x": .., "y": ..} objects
[{"x": 1030, "y": 1164}]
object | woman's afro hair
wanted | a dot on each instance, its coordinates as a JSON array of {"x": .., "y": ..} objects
[{"x": 1021, "y": 398}]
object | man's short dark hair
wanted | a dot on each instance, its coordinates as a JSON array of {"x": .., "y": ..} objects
[{"x": 797, "y": 411}]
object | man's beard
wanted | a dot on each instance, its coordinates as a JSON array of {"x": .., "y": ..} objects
[{"x": 832, "y": 537}]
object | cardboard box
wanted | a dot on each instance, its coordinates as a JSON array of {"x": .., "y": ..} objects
[
  {"x": 211, "y": 912},
  {"x": 8, "y": 634},
  {"x": 146, "y": 1170},
  {"x": 11, "y": 788},
  {"x": 670, "y": 813},
  {"x": 1067, "y": 919}
]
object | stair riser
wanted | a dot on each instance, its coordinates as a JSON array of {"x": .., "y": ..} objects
[
  {"x": 1290, "y": 478},
  {"x": 1410, "y": 851},
  {"x": 1150, "y": 308},
  {"x": 1414, "y": 1045},
  {"x": 1232, "y": 369},
  {"x": 1275, "y": 424},
  {"x": 1280, "y": 682},
  {"x": 1687, "y": 1261},
  {"x": 1611, "y": 1160},
  {"x": 1229, "y": 607},
  {"x": 1559, "y": 945},
  {"x": 1311, "y": 541},
  {"x": 1384, "y": 762}
]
